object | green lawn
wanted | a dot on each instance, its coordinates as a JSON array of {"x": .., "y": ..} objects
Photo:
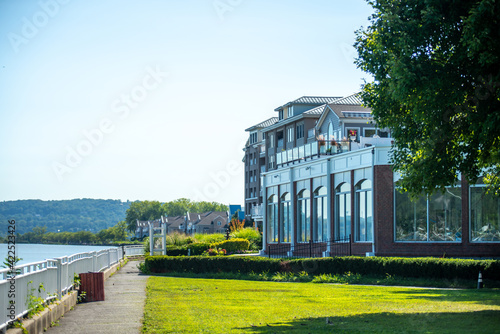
[{"x": 195, "y": 305}]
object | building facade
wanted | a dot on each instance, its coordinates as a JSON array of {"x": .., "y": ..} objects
[{"x": 336, "y": 185}]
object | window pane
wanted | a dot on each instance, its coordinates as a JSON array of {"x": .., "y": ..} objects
[
  {"x": 445, "y": 216},
  {"x": 484, "y": 216},
  {"x": 411, "y": 218}
]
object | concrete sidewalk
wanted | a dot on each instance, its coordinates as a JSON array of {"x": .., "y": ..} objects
[{"x": 120, "y": 312}]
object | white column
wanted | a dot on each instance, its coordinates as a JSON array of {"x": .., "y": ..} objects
[
  {"x": 292, "y": 211},
  {"x": 151, "y": 239},
  {"x": 328, "y": 207},
  {"x": 164, "y": 238},
  {"x": 264, "y": 217}
]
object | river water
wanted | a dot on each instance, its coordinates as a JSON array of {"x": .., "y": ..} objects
[{"x": 38, "y": 252}]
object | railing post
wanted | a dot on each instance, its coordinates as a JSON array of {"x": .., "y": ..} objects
[
  {"x": 310, "y": 247},
  {"x": 94, "y": 261},
  {"x": 59, "y": 277}
]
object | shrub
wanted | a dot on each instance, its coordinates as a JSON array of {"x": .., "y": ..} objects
[
  {"x": 347, "y": 269},
  {"x": 173, "y": 250},
  {"x": 232, "y": 245},
  {"x": 198, "y": 248},
  {"x": 209, "y": 238},
  {"x": 211, "y": 264},
  {"x": 251, "y": 235},
  {"x": 178, "y": 239}
]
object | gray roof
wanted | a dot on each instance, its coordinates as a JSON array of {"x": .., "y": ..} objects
[
  {"x": 263, "y": 124},
  {"x": 354, "y": 99},
  {"x": 310, "y": 100},
  {"x": 317, "y": 110}
]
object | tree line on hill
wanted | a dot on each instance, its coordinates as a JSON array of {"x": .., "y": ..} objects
[
  {"x": 88, "y": 221},
  {"x": 64, "y": 216},
  {"x": 39, "y": 235}
]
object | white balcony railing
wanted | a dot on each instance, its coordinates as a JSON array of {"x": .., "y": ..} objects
[
  {"x": 318, "y": 148},
  {"x": 257, "y": 211}
]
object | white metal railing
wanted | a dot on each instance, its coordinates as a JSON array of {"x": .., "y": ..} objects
[
  {"x": 257, "y": 211},
  {"x": 56, "y": 275},
  {"x": 325, "y": 147},
  {"x": 134, "y": 250}
]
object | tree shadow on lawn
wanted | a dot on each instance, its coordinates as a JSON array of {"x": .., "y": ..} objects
[
  {"x": 462, "y": 322},
  {"x": 480, "y": 297}
]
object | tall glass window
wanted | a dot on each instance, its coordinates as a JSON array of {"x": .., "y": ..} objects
[
  {"x": 445, "y": 215},
  {"x": 343, "y": 211},
  {"x": 411, "y": 217},
  {"x": 303, "y": 216},
  {"x": 320, "y": 221},
  {"x": 286, "y": 226},
  {"x": 437, "y": 218},
  {"x": 364, "y": 211},
  {"x": 272, "y": 218},
  {"x": 484, "y": 216}
]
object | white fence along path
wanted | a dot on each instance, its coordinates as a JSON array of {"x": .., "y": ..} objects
[{"x": 56, "y": 275}]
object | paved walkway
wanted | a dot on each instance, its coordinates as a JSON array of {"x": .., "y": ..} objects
[{"x": 121, "y": 311}]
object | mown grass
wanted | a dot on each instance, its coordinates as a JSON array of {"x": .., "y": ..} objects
[
  {"x": 199, "y": 305},
  {"x": 346, "y": 278}
]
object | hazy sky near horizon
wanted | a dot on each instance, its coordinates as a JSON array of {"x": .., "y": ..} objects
[{"x": 149, "y": 100}]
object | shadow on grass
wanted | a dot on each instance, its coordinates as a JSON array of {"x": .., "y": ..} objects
[
  {"x": 466, "y": 322},
  {"x": 481, "y": 297}
]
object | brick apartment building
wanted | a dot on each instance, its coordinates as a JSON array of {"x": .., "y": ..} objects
[{"x": 320, "y": 172}]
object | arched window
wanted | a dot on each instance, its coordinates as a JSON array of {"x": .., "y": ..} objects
[
  {"x": 320, "y": 221},
  {"x": 272, "y": 218},
  {"x": 303, "y": 216},
  {"x": 363, "y": 228},
  {"x": 331, "y": 134},
  {"x": 343, "y": 211},
  {"x": 286, "y": 225}
]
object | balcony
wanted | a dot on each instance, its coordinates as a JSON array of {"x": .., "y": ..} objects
[
  {"x": 257, "y": 212},
  {"x": 263, "y": 150},
  {"x": 319, "y": 148}
]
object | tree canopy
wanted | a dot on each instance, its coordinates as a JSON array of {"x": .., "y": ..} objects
[
  {"x": 436, "y": 72},
  {"x": 151, "y": 210}
]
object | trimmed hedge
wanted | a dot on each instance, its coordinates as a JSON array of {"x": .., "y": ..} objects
[
  {"x": 212, "y": 264},
  {"x": 376, "y": 266},
  {"x": 232, "y": 245},
  {"x": 197, "y": 248}
]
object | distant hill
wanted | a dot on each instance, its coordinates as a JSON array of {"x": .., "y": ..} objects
[{"x": 67, "y": 215}]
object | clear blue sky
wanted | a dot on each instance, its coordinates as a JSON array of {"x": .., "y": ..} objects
[{"x": 149, "y": 100}]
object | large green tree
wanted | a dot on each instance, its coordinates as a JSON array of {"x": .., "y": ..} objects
[
  {"x": 142, "y": 210},
  {"x": 151, "y": 210},
  {"x": 436, "y": 71}
]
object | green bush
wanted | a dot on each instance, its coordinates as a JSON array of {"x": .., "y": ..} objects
[
  {"x": 178, "y": 239},
  {"x": 210, "y": 264},
  {"x": 372, "y": 266},
  {"x": 198, "y": 248},
  {"x": 251, "y": 235},
  {"x": 209, "y": 238},
  {"x": 232, "y": 245}
]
